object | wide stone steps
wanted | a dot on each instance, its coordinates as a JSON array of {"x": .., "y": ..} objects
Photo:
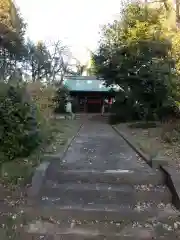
[
  {"x": 101, "y": 191},
  {"x": 89, "y": 223},
  {"x": 130, "y": 177},
  {"x": 74, "y": 193},
  {"x": 94, "y": 205},
  {"x": 97, "y": 212},
  {"x": 83, "y": 205}
]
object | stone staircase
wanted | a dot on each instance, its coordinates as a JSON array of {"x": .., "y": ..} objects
[
  {"x": 92, "y": 205},
  {"x": 101, "y": 190}
]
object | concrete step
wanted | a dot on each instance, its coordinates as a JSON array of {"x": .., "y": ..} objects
[
  {"x": 74, "y": 229},
  {"x": 69, "y": 193},
  {"x": 80, "y": 236},
  {"x": 46, "y": 229},
  {"x": 97, "y": 212},
  {"x": 131, "y": 177},
  {"x": 54, "y": 223}
]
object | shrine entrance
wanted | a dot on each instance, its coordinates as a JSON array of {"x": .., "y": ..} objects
[{"x": 89, "y": 102}]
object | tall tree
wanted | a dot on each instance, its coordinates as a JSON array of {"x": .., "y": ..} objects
[
  {"x": 58, "y": 61},
  {"x": 47, "y": 61},
  {"x": 12, "y": 29},
  {"x": 38, "y": 60},
  {"x": 134, "y": 53}
]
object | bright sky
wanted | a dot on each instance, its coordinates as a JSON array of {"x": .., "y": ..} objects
[{"x": 75, "y": 22}]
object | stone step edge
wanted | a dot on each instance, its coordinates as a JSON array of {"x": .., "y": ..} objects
[
  {"x": 111, "y": 177},
  {"x": 127, "y": 188},
  {"x": 119, "y": 213},
  {"x": 81, "y": 237},
  {"x": 111, "y": 172},
  {"x": 41, "y": 171}
]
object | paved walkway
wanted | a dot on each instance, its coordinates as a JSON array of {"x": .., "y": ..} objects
[
  {"x": 99, "y": 147},
  {"x": 102, "y": 190}
]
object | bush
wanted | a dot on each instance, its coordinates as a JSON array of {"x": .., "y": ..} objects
[
  {"x": 168, "y": 111},
  {"x": 20, "y": 132},
  {"x": 60, "y": 99},
  {"x": 124, "y": 111},
  {"x": 62, "y": 94},
  {"x": 43, "y": 97}
]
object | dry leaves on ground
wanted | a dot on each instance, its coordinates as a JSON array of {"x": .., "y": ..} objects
[
  {"x": 13, "y": 197},
  {"x": 164, "y": 140}
]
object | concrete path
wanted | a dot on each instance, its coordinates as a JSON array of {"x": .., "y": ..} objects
[
  {"x": 98, "y": 147},
  {"x": 102, "y": 190}
]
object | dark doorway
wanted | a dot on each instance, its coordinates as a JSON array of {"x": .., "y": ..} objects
[
  {"x": 93, "y": 108},
  {"x": 94, "y": 105}
]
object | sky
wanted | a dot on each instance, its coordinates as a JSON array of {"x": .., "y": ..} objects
[{"x": 75, "y": 22}]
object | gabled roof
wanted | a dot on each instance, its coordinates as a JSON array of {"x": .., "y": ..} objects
[{"x": 88, "y": 84}]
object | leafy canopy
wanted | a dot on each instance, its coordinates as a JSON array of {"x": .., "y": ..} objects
[{"x": 135, "y": 52}]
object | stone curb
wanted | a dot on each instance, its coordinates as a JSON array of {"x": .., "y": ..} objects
[
  {"x": 39, "y": 175},
  {"x": 173, "y": 183},
  {"x": 155, "y": 162},
  {"x": 133, "y": 145},
  {"x": 171, "y": 176},
  {"x": 159, "y": 161}
]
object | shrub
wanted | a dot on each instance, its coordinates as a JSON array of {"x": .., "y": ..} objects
[
  {"x": 43, "y": 96},
  {"x": 20, "y": 132},
  {"x": 123, "y": 110},
  {"x": 60, "y": 99},
  {"x": 62, "y": 94}
]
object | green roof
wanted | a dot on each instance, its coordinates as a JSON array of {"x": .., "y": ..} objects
[{"x": 87, "y": 84}]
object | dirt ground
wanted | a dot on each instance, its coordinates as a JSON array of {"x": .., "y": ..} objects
[{"x": 162, "y": 140}]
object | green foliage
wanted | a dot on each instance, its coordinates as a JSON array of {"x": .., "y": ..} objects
[
  {"x": 12, "y": 43},
  {"x": 136, "y": 54},
  {"x": 41, "y": 60},
  {"x": 62, "y": 95},
  {"x": 19, "y": 130},
  {"x": 125, "y": 110},
  {"x": 38, "y": 60},
  {"x": 60, "y": 99},
  {"x": 43, "y": 97}
]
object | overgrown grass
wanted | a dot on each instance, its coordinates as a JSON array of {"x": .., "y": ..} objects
[{"x": 20, "y": 170}]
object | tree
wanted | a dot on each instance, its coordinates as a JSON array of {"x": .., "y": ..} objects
[
  {"x": 58, "y": 62},
  {"x": 47, "y": 61},
  {"x": 12, "y": 29},
  {"x": 134, "y": 53},
  {"x": 80, "y": 68},
  {"x": 38, "y": 60}
]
